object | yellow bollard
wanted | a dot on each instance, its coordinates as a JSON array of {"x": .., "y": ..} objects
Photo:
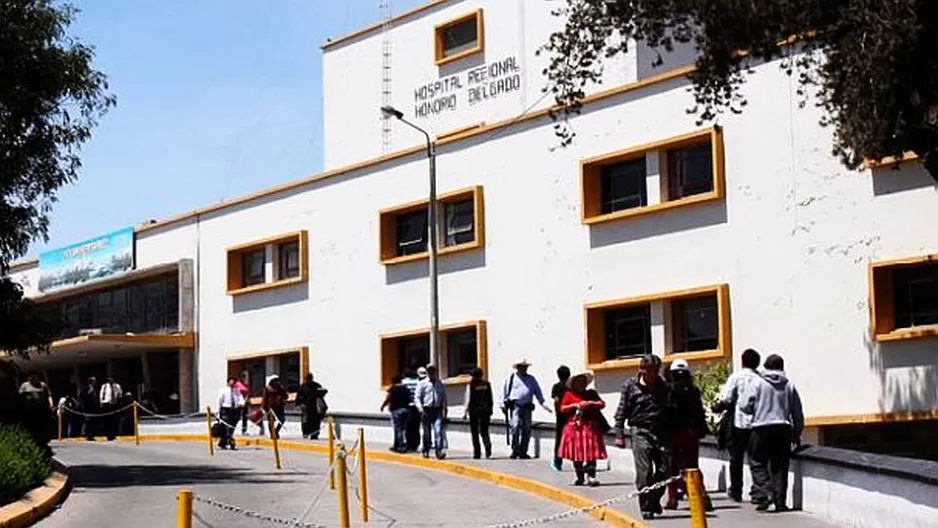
[
  {"x": 695, "y": 498},
  {"x": 331, "y": 429},
  {"x": 340, "y": 469},
  {"x": 61, "y": 412},
  {"x": 211, "y": 444},
  {"x": 136, "y": 424},
  {"x": 274, "y": 437},
  {"x": 184, "y": 509},
  {"x": 362, "y": 476}
]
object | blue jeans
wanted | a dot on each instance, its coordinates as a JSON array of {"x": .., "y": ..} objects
[
  {"x": 520, "y": 425},
  {"x": 433, "y": 418},
  {"x": 399, "y": 419}
]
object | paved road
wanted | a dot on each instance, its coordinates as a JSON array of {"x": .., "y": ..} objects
[{"x": 120, "y": 485}]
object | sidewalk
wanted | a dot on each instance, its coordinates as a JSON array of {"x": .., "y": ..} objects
[{"x": 619, "y": 481}]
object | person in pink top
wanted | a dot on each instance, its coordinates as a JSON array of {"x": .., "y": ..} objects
[{"x": 245, "y": 392}]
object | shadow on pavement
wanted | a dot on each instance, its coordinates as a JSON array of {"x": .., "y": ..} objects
[{"x": 104, "y": 476}]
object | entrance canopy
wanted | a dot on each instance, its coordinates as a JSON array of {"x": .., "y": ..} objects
[{"x": 89, "y": 348}]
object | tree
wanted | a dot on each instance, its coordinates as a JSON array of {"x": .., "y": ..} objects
[
  {"x": 871, "y": 65},
  {"x": 50, "y": 100}
]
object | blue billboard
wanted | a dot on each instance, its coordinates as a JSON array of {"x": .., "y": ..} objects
[{"x": 92, "y": 259}]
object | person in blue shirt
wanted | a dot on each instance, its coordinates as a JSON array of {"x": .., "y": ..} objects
[{"x": 519, "y": 392}]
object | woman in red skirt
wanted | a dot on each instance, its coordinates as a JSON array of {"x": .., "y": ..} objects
[{"x": 582, "y": 440}]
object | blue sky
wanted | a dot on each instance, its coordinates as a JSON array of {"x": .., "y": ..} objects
[{"x": 216, "y": 98}]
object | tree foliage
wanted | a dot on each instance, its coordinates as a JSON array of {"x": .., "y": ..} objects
[
  {"x": 50, "y": 100},
  {"x": 871, "y": 65}
]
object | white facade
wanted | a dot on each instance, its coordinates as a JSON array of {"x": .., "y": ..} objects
[{"x": 792, "y": 237}]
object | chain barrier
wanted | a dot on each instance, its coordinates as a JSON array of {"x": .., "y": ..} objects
[
  {"x": 578, "y": 511},
  {"x": 158, "y": 416},
  {"x": 98, "y": 415},
  {"x": 294, "y": 523}
]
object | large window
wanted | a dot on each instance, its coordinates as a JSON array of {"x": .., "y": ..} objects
[
  {"x": 291, "y": 365},
  {"x": 148, "y": 306},
  {"x": 619, "y": 185},
  {"x": 288, "y": 254},
  {"x": 248, "y": 263},
  {"x": 628, "y": 332},
  {"x": 459, "y": 38},
  {"x": 462, "y": 348},
  {"x": 904, "y": 298},
  {"x": 404, "y": 228},
  {"x": 623, "y": 185},
  {"x": 693, "y": 324}
]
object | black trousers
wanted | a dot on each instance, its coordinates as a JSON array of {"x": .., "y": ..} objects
[
  {"x": 412, "y": 433},
  {"x": 558, "y": 434},
  {"x": 479, "y": 428},
  {"x": 652, "y": 454},
  {"x": 245, "y": 410},
  {"x": 310, "y": 421},
  {"x": 587, "y": 468},
  {"x": 110, "y": 422},
  {"x": 739, "y": 448},
  {"x": 770, "y": 453},
  {"x": 229, "y": 416}
]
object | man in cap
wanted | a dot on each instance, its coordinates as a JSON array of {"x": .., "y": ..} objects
[
  {"x": 431, "y": 402},
  {"x": 644, "y": 404},
  {"x": 520, "y": 391}
]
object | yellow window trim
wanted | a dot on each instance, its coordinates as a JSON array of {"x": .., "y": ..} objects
[
  {"x": 590, "y": 192},
  {"x": 882, "y": 315},
  {"x": 438, "y": 37},
  {"x": 592, "y": 330},
  {"x": 387, "y": 230},
  {"x": 889, "y": 160},
  {"x": 233, "y": 258},
  {"x": 387, "y": 361},
  {"x": 857, "y": 419}
]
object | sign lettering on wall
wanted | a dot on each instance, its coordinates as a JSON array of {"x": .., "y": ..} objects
[
  {"x": 97, "y": 258},
  {"x": 468, "y": 88}
]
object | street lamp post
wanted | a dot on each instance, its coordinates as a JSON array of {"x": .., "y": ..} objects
[{"x": 433, "y": 232}]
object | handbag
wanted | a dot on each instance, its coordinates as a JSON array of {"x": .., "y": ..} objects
[
  {"x": 321, "y": 406},
  {"x": 218, "y": 430},
  {"x": 256, "y": 416}
]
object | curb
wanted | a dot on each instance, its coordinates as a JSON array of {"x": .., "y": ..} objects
[
  {"x": 39, "y": 502},
  {"x": 610, "y": 516}
]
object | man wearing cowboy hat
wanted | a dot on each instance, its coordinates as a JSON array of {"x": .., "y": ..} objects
[{"x": 520, "y": 391}]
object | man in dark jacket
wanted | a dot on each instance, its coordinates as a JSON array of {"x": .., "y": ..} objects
[
  {"x": 307, "y": 399},
  {"x": 644, "y": 404},
  {"x": 777, "y": 423},
  {"x": 90, "y": 404}
]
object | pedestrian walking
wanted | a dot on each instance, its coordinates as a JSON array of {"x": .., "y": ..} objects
[
  {"x": 738, "y": 442},
  {"x": 431, "y": 402},
  {"x": 275, "y": 401},
  {"x": 582, "y": 438},
  {"x": 518, "y": 395},
  {"x": 557, "y": 393},
  {"x": 308, "y": 399},
  {"x": 689, "y": 421},
  {"x": 246, "y": 408},
  {"x": 398, "y": 402},
  {"x": 777, "y": 423},
  {"x": 35, "y": 391},
  {"x": 230, "y": 405},
  {"x": 412, "y": 432},
  {"x": 111, "y": 395},
  {"x": 90, "y": 403},
  {"x": 643, "y": 403},
  {"x": 479, "y": 406}
]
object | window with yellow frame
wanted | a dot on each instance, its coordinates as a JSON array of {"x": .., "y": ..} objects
[{"x": 459, "y": 38}]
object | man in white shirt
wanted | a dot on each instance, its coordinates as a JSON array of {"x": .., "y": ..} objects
[
  {"x": 110, "y": 395},
  {"x": 230, "y": 403},
  {"x": 730, "y": 401},
  {"x": 430, "y": 400}
]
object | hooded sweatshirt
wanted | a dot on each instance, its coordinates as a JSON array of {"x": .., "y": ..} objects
[{"x": 773, "y": 400}]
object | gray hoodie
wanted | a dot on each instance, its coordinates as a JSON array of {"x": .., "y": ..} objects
[{"x": 773, "y": 400}]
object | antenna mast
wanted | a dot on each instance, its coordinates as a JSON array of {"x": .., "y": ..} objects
[{"x": 385, "y": 7}]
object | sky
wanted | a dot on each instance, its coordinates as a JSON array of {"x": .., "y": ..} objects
[{"x": 215, "y": 99}]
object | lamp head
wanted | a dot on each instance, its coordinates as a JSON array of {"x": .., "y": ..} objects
[{"x": 390, "y": 111}]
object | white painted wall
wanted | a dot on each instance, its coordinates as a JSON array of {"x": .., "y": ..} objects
[
  {"x": 27, "y": 276},
  {"x": 513, "y": 29}
]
